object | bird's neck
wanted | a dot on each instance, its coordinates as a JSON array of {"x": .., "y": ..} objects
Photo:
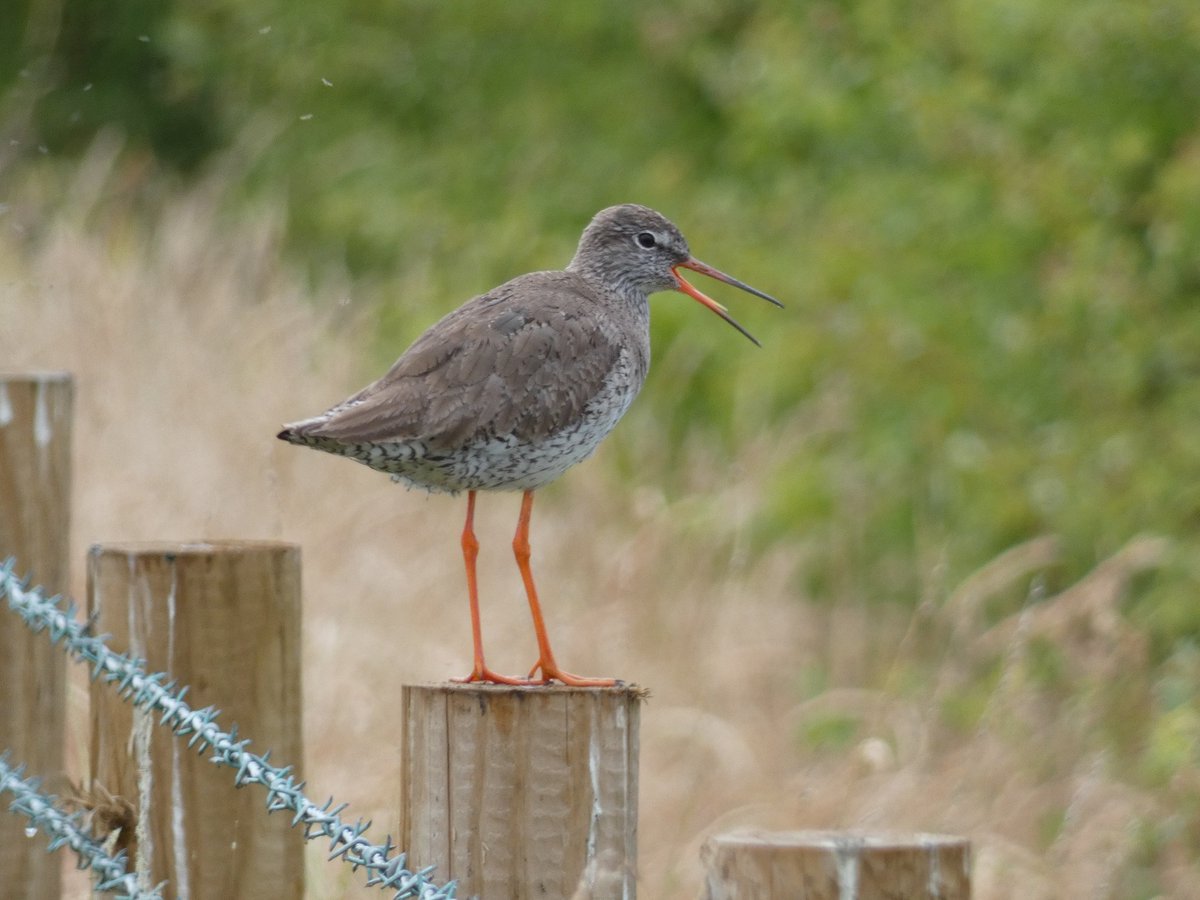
[{"x": 614, "y": 285}]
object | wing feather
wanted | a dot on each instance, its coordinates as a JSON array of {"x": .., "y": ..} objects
[{"x": 522, "y": 360}]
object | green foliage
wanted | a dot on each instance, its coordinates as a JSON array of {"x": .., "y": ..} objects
[
  {"x": 1172, "y": 738},
  {"x": 984, "y": 222},
  {"x": 1045, "y": 666},
  {"x": 830, "y": 732},
  {"x": 963, "y": 708},
  {"x": 1173, "y": 744},
  {"x": 110, "y": 68},
  {"x": 1138, "y": 880},
  {"x": 1050, "y": 827}
]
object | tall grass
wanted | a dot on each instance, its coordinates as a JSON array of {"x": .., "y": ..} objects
[{"x": 1042, "y": 735}]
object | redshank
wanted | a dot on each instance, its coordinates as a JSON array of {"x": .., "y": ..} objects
[{"x": 517, "y": 385}]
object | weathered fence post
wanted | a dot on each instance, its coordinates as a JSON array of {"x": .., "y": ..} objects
[
  {"x": 35, "y": 485},
  {"x": 522, "y": 792},
  {"x": 224, "y": 618},
  {"x": 829, "y": 865}
]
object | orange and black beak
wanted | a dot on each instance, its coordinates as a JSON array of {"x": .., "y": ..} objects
[{"x": 696, "y": 266}]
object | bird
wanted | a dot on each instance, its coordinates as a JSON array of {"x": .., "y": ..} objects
[{"x": 518, "y": 385}]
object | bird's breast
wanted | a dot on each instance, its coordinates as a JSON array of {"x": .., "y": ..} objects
[{"x": 515, "y": 460}]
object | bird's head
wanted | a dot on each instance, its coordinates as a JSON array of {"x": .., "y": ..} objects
[{"x": 633, "y": 248}]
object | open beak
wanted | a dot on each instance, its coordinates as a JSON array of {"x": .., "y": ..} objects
[{"x": 696, "y": 266}]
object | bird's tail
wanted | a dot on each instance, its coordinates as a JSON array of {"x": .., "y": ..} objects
[{"x": 301, "y": 432}]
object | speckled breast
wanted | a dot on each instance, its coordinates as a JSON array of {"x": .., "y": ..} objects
[{"x": 500, "y": 462}]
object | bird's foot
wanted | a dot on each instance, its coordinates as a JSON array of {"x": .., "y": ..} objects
[
  {"x": 482, "y": 673},
  {"x": 551, "y": 672}
]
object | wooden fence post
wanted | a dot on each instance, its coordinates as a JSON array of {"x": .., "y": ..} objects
[
  {"x": 223, "y": 618},
  {"x": 522, "y": 792},
  {"x": 829, "y": 865},
  {"x": 35, "y": 486}
]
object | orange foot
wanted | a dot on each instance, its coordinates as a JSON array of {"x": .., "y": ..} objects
[
  {"x": 551, "y": 672},
  {"x": 486, "y": 675}
]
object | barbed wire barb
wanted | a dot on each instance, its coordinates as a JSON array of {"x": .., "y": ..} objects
[
  {"x": 68, "y": 830},
  {"x": 155, "y": 692}
]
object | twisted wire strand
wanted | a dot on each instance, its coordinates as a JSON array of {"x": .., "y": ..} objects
[
  {"x": 67, "y": 830},
  {"x": 153, "y": 692}
]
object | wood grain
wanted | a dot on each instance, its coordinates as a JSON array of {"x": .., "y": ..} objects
[
  {"x": 35, "y": 487},
  {"x": 832, "y": 865},
  {"x": 223, "y": 618},
  {"x": 522, "y": 792}
]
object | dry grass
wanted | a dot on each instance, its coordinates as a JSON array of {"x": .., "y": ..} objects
[{"x": 190, "y": 345}]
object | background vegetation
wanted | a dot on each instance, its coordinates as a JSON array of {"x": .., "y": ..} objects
[{"x": 984, "y": 218}]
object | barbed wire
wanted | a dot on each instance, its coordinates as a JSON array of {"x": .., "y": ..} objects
[
  {"x": 67, "y": 830},
  {"x": 154, "y": 692}
]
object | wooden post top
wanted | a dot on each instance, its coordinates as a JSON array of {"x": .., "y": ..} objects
[
  {"x": 35, "y": 377},
  {"x": 828, "y": 865},
  {"x": 35, "y": 525},
  {"x": 460, "y": 689},
  {"x": 224, "y": 618},
  {"x": 522, "y": 792},
  {"x": 843, "y": 840},
  {"x": 212, "y": 547}
]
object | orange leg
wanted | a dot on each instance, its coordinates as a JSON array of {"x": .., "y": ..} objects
[
  {"x": 470, "y": 546},
  {"x": 546, "y": 663}
]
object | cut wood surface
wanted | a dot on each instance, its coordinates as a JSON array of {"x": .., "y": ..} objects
[
  {"x": 522, "y": 792},
  {"x": 223, "y": 618},
  {"x": 35, "y": 486}
]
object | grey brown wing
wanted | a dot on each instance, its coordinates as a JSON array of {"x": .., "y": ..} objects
[{"x": 495, "y": 367}]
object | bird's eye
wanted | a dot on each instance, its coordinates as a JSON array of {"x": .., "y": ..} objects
[{"x": 645, "y": 240}]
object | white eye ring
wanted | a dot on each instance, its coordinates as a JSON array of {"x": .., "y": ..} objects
[{"x": 646, "y": 240}]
